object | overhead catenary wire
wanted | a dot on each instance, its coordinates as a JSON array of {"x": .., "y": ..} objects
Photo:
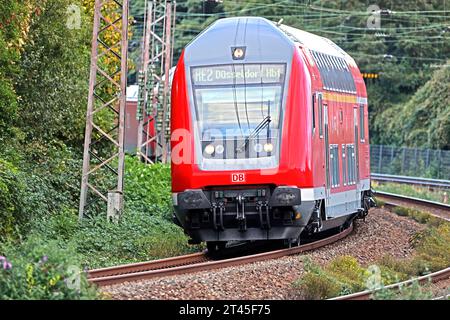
[{"x": 399, "y": 26}]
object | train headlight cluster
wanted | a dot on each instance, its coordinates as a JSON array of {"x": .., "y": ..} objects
[
  {"x": 220, "y": 149},
  {"x": 209, "y": 149},
  {"x": 258, "y": 147},
  {"x": 268, "y": 147}
]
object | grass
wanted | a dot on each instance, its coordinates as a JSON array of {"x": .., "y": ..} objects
[
  {"x": 415, "y": 291},
  {"x": 138, "y": 236},
  {"x": 344, "y": 275},
  {"x": 42, "y": 269},
  {"x": 420, "y": 192},
  {"x": 144, "y": 232}
]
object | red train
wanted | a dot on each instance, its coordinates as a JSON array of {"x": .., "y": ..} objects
[{"x": 269, "y": 134}]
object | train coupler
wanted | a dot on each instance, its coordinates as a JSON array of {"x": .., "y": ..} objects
[
  {"x": 263, "y": 210},
  {"x": 217, "y": 213},
  {"x": 240, "y": 213}
]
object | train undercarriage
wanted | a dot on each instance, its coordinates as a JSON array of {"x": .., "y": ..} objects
[{"x": 218, "y": 215}]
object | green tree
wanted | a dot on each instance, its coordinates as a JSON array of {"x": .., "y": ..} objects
[
  {"x": 52, "y": 84},
  {"x": 425, "y": 117}
]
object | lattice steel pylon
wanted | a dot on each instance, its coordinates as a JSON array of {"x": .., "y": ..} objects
[
  {"x": 154, "y": 78},
  {"x": 103, "y": 159}
]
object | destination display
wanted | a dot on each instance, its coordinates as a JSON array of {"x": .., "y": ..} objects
[{"x": 238, "y": 74}]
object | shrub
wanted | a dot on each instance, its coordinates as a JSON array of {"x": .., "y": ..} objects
[
  {"x": 348, "y": 272},
  {"x": 53, "y": 176},
  {"x": 432, "y": 253},
  {"x": 144, "y": 231},
  {"x": 401, "y": 211},
  {"x": 315, "y": 286},
  {"x": 62, "y": 226},
  {"x": 138, "y": 236},
  {"x": 389, "y": 275},
  {"x": 433, "y": 248},
  {"x": 37, "y": 269},
  {"x": 316, "y": 283},
  {"x": 148, "y": 188},
  {"x": 403, "y": 268},
  {"x": 342, "y": 275},
  {"x": 411, "y": 292},
  {"x": 12, "y": 213},
  {"x": 418, "y": 216}
]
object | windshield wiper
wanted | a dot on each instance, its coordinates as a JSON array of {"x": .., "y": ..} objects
[{"x": 264, "y": 123}]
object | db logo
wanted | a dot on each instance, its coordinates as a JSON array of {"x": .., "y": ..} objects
[{"x": 238, "y": 177}]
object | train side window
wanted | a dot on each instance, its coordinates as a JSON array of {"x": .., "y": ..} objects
[
  {"x": 353, "y": 161},
  {"x": 334, "y": 74},
  {"x": 361, "y": 123},
  {"x": 336, "y": 152},
  {"x": 351, "y": 164},
  {"x": 319, "y": 102},
  {"x": 344, "y": 166},
  {"x": 313, "y": 111},
  {"x": 334, "y": 160}
]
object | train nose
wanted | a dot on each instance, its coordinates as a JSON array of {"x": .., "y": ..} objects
[{"x": 243, "y": 212}]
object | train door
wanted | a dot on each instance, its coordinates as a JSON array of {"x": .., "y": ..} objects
[
  {"x": 356, "y": 150},
  {"x": 327, "y": 157},
  {"x": 355, "y": 121}
]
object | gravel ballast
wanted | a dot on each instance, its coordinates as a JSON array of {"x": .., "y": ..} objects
[{"x": 383, "y": 233}]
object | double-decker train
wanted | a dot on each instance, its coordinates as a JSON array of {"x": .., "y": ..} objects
[{"x": 269, "y": 134}]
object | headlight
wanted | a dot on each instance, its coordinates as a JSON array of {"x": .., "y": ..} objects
[
  {"x": 219, "y": 149},
  {"x": 268, "y": 147},
  {"x": 209, "y": 149},
  {"x": 258, "y": 147}
]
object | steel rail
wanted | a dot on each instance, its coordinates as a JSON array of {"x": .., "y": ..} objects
[
  {"x": 368, "y": 294},
  {"x": 436, "y": 183},
  {"x": 148, "y": 265},
  {"x": 433, "y": 277},
  {"x": 437, "y": 205},
  {"x": 200, "y": 262},
  {"x": 111, "y": 276}
]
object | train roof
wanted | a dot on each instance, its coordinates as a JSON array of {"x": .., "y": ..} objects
[
  {"x": 313, "y": 41},
  {"x": 271, "y": 29},
  {"x": 271, "y": 42}
]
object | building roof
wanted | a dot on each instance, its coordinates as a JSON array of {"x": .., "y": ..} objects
[{"x": 132, "y": 93}]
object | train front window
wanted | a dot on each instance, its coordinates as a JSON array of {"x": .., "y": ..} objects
[{"x": 238, "y": 109}]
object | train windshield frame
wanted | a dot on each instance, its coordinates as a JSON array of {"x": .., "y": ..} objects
[{"x": 237, "y": 103}]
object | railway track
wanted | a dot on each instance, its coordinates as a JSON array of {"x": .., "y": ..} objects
[
  {"x": 393, "y": 201},
  {"x": 368, "y": 294},
  {"x": 438, "y": 209},
  {"x": 202, "y": 262},
  {"x": 194, "y": 263},
  {"x": 431, "y": 183}
]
